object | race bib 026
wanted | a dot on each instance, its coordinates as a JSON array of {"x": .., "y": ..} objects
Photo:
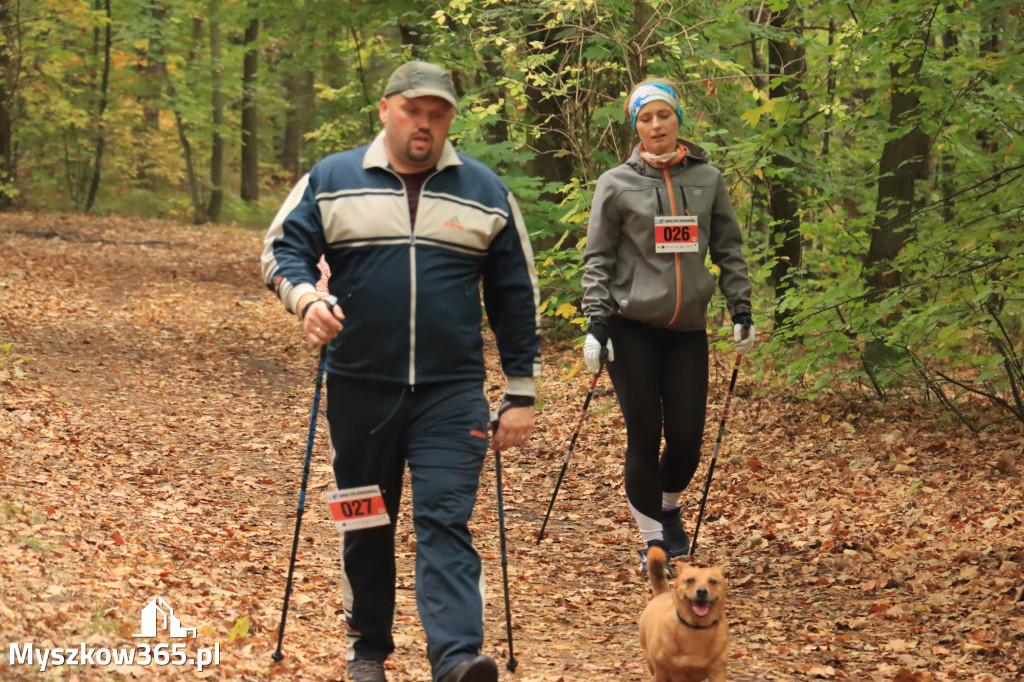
[{"x": 675, "y": 234}]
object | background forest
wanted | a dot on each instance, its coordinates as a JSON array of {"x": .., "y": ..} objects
[{"x": 872, "y": 147}]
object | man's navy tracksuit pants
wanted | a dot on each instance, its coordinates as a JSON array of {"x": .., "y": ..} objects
[{"x": 440, "y": 432}]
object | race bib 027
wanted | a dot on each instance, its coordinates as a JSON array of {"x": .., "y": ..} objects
[{"x": 355, "y": 508}]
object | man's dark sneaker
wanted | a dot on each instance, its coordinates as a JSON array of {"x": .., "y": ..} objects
[
  {"x": 365, "y": 670},
  {"x": 480, "y": 669},
  {"x": 673, "y": 532}
]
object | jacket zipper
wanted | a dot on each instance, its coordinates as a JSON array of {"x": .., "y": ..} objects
[
  {"x": 412, "y": 308},
  {"x": 679, "y": 268},
  {"x": 412, "y": 275}
]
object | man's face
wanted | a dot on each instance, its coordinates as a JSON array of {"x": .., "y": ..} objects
[{"x": 415, "y": 130}]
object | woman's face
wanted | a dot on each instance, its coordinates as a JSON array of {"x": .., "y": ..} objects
[{"x": 658, "y": 127}]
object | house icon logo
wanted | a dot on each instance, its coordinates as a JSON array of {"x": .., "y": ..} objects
[{"x": 158, "y": 615}]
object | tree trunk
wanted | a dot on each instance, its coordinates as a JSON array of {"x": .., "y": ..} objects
[
  {"x": 198, "y": 210},
  {"x": 411, "y": 36},
  {"x": 826, "y": 138},
  {"x": 760, "y": 207},
  {"x": 153, "y": 66},
  {"x": 300, "y": 101},
  {"x": 904, "y": 162},
  {"x": 7, "y": 173},
  {"x": 555, "y": 125},
  {"x": 8, "y": 70},
  {"x": 101, "y": 130},
  {"x": 785, "y": 58},
  {"x": 636, "y": 54},
  {"x": 947, "y": 159},
  {"x": 368, "y": 98},
  {"x": 250, "y": 186},
  {"x": 198, "y": 216},
  {"x": 217, "y": 104}
]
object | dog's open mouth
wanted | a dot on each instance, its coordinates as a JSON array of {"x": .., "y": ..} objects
[{"x": 701, "y": 607}]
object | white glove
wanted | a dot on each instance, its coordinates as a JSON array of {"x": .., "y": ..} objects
[
  {"x": 743, "y": 345},
  {"x": 592, "y": 353}
]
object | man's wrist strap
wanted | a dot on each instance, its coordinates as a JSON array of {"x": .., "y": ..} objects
[
  {"x": 305, "y": 308},
  {"x": 517, "y": 401}
]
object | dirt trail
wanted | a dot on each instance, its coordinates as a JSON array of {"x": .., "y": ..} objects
[{"x": 153, "y": 409}]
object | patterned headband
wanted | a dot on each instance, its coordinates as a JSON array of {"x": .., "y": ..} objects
[{"x": 650, "y": 92}]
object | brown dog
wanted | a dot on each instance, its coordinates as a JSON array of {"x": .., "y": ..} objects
[{"x": 683, "y": 630}]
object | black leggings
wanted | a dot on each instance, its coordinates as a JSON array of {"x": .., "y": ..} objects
[{"x": 661, "y": 381}]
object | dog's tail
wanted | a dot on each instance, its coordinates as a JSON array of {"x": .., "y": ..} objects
[{"x": 656, "y": 569}]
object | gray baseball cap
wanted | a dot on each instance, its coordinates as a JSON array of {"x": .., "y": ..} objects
[{"x": 420, "y": 79}]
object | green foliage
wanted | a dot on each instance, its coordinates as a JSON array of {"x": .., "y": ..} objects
[
  {"x": 102, "y": 624},
  {"x": 10, "y": 363},
  {"x": 545, "y": 82},
  {"x": 541, "y": 85},
  {"x": 560, "y": 267},
  {"x": 953, "y": 323}
]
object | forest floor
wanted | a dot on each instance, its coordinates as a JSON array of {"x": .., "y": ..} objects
[{"x": 154, "y": 404}]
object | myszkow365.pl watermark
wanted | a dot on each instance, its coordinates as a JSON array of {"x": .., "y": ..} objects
[{"x": 157, "y": 616}]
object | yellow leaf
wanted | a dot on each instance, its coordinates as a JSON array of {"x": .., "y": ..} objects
[
  {"x": 566, "y": 310},
  {"x": 752, "y": 116},
  {"x": 240, "y": 630}
]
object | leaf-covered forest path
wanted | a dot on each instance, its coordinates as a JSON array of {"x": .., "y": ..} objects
[{"x": 154, "y": 401}]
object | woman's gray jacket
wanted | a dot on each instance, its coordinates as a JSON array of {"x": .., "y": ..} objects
[{"x": 625, "y": 276}]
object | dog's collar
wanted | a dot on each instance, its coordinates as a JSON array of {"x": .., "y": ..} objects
[{"x": 696, "y": 627}]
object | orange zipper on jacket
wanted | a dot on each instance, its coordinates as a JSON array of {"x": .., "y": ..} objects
[{"x": 679, "y": 267}]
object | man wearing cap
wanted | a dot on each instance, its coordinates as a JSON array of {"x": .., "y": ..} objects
[{"x": 410, "y": 229}]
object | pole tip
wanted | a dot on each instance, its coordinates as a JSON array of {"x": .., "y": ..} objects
[
  {"x": 277, "y": 656},
  {"x": 512, "y": 664}
]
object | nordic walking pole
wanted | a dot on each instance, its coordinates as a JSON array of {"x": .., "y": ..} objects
[
  {"x": 572, "y": 444},
  {"x": 512, "y": 662},
  {"x": 714, "y": 454},
  {"x": 277, "y": 655}
]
